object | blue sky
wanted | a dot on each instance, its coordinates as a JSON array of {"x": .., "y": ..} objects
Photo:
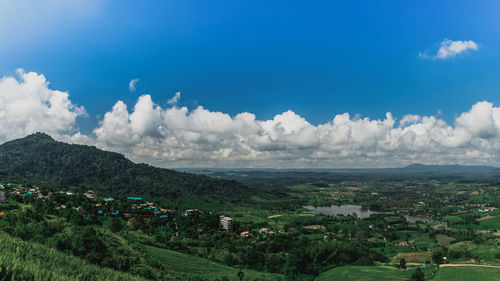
[{"x": 315, "y": 58}]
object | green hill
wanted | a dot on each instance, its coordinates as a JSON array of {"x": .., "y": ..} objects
[
  {"x": 21, "y": 260},
  {"x": 39, "y": 159}
]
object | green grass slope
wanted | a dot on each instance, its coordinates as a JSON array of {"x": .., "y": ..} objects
[
  {"x": 467, "y": 274},
  {"x": 351, "y": 272},
  {"x": 182, "y": 263},
  {"x": 21, "y": 260},
  {"x": 368, "y": 273}
]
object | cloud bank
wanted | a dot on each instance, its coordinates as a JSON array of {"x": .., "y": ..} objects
[{"x": 175, "y": 136}]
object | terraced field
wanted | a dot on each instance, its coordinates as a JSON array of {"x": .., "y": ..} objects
[{"x": 186, "y": 264}]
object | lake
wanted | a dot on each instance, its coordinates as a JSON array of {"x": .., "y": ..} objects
[{"x": 363, "y": 213}]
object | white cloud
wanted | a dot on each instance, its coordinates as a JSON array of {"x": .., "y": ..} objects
[
  {"x": 28, "y": 105},
  {"x": 175, "y": 98},
  {"x": 132, "y": 84},
  {"x": 450, "y": 49},
  {"x": 175, "y": 136}
]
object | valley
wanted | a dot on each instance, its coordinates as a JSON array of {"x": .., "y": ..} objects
[{"x": 308, "y": 225}]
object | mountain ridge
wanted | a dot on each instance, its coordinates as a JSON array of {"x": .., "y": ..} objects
[{"x": 41, "y": 160}]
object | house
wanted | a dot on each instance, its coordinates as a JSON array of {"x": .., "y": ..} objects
[
  {"x": 90, "y": 194},
  {"x": 263, "y": 230},
  {"x": 109, "y": 199},
  {"x": 2, "y": 197},
  {"x": 134, "y": 198},
  {"x": 245, "y": 234}
]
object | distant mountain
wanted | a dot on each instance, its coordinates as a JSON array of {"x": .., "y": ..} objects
[
  {"x": 260, "y": 177},
  {"x": 449, "y": 168},
  {"x": 39, "y": 159}
]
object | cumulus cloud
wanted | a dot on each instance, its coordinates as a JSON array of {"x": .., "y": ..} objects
[
  {"x": 174, "y": 136},
  {"x": 132, "y": 84},
  {"x": 450, "y": 49},
  {"x": 28, "y": 105}
]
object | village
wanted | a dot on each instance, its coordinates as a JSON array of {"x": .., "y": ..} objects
[{"x": 126, "y": 208}]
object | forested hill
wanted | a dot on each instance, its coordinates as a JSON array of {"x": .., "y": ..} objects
[{"x": 39, "y": 159}]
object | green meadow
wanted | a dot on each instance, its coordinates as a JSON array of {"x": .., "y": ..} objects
[
  {"x": 368, "y": 273},
  {"x": 379, "y": 273}
]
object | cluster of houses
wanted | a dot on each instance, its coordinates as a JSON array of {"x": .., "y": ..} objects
[
  {"x": 149, "y": 206},
  {"x": 137, "y": 203},
  {"x": 27, "y": 191}
]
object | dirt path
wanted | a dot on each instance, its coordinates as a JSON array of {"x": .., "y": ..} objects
[{"x": 275, "y": 216}]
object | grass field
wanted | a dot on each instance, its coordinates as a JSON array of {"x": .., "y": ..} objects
[
  {"x": 367, "y": 273},
  {"x": 183, "y": 263},
  {"x": 483, "y": 252},
  {"x": 378, "y": 273},
  {"x": 467, "y": 274}
]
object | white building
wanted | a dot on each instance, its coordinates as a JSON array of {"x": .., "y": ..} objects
[{"x": 226, "y": 223}]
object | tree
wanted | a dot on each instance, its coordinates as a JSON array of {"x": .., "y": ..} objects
[
  {"x": 418, "y": 275},
  {"x": 115, "y": 225},
  {"x": 241, "y": 275},
  {"x": 402, "y": 263},
  {"x": 437, "y": 255}
]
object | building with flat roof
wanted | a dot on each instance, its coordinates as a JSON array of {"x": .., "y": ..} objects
[{"x": 226, "y": 223}]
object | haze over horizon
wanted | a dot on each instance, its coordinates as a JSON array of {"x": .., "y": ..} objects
[{"x": 329, "y": 85}]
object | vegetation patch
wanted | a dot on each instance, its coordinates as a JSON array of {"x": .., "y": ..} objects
[
  {"x": 444, "y": 239},
  {"x": 421, "y": 257}
]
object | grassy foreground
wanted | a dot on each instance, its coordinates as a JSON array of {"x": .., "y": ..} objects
[{"x": 20, "y": 260}]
